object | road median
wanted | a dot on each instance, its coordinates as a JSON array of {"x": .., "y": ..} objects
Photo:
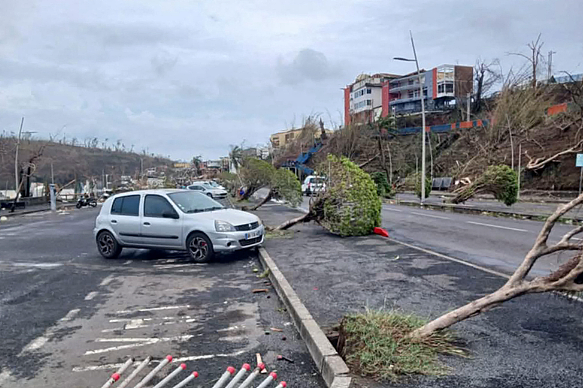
[{"x": 327, "y": 278}]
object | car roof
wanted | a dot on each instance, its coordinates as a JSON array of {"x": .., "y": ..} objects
[{"x": 149, "y": 191}]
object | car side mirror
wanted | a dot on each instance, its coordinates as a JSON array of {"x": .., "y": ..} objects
[{"x": 170, "y": 214}]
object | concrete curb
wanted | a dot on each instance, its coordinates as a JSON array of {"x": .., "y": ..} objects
[
  {"x": 466, "y": 210},
  {"x": 25, "y": 212},
  {"x": 331, "y": 366}
]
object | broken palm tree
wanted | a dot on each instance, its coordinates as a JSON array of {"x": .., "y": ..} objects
[
  {"x": 349, "y": 206},
  {"x": 568, "y": 278}
]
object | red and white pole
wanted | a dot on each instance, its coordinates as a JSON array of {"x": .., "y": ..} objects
[
  {"x": 151, "y": 375},
  {"x": 244, "y": 369},
  {"x": 187, "y": 380},
  {"x": 283, "y": 384},
  {"x": 170, "y": 376},
  {"x": 138, "y": 369},
  {"x": 114, "y": 377},
  {"x": 228, "y": 373},
  {"x": 272, "y": 376},
  {"x": 252, "y": 376}
]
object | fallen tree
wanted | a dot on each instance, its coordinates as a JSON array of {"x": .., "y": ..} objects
[
  {"x": 284, "y": 185},
  {"x": 349, "y": 206},
  {"x": 255, "y": 174},
  {"x": 501, "y": 181},
  {"x": 568, "y": 278}
]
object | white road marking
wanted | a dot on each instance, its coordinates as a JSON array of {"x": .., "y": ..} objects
[
  {"x": 91, "y": 295},
  {"x": 186, "y": 306},
  {"x": 497, "y": 226},
  {"x": 37, "y": 343},
  {"x": 70, "y": 315},
  {"x": 430, "y": 215},
  {"x": 106, "y": 281},
  {"x": 393, "y": 210},
  {"x": 125, "y": 339},
  {"x": 229, "y": 328},
  {"x": 139, "y": 324},
  {"x": 4, "y": 376},
  {"x": 490, "y": 271},
  {"x": 176, "y": 360},
  {"x": 171, "y": 266},
  {"x": 180, "y": 338},
  {"x": 127, "y": 262},
  {"x": 37, "y": 265}
]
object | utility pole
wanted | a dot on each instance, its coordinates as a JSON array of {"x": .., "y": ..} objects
[
  {"x": 519, "y": 172},
  {"x": 469, "y": 101},
  {"x": 550, "y": 62},
  {"x": 52, "y": 174},
  {"x": 16, "y": 157},
  {"x": 422, "y": 121}
]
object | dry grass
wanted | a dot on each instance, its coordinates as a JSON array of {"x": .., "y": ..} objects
[{"x": 376, "y": 345}]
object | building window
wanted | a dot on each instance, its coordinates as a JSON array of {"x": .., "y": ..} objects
[
  {"x": 368, "y": 102},
  {"x": 449, "y": 87},
  {"x": 368, "y": 91}
]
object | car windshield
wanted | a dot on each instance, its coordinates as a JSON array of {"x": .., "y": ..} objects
[
  {"x": 192, "y": 202},
  {"x": 317, "y": 181},
  {"x": 213, "y": 184}
]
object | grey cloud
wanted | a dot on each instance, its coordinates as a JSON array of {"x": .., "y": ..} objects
[
  {"x": 308, "y": 65},
  {"x": 163, "y": 62}
]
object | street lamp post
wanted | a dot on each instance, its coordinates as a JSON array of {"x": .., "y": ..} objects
[{"x": 422, "y": 115}]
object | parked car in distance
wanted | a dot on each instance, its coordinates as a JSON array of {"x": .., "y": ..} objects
[
  {"x": 207, "y": 189},
  {"x": 174, "y": 219},
  {"x": 213, "y": 184},
  {"x": 313, "y": 184}
]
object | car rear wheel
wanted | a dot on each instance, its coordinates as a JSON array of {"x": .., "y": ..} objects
[
  {"x": 107, "y": 245},
  {"x": 200, "y": 248}
]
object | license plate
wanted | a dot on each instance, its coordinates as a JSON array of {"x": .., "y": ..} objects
[{"x": 250, "y": 235}]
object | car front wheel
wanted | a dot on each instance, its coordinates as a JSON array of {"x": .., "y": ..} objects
[
  {"x": 199, "y": 248},
  {"x": 107, "y": 245}
]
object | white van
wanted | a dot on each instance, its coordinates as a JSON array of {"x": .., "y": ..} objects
[{"x": 313, "y": 184}]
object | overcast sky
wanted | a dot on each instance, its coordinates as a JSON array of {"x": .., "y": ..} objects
[{"x": 183, "y": 78}]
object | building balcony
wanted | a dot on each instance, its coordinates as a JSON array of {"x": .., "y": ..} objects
[
  {"x": 405, "y": 100},
  {"x": 403, "y": 87}
]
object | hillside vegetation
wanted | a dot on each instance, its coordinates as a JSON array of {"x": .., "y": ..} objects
[{"x": 71, "y": 161}]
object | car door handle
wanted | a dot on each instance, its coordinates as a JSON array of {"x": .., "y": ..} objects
[
  {"x": 114, "y": 221},
  {"x": 147, "y": 223}
]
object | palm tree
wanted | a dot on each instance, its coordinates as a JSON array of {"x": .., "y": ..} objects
[{"x": 236, "y": 156}]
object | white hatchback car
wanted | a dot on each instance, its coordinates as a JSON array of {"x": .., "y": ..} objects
[
  {"x": 174, "y": 219},
  {"x": 208, "y": 189}
]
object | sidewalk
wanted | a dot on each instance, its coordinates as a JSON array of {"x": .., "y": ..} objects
[
  {"x": 532, "y": 341},
  {"x": 527, "y": 210}
]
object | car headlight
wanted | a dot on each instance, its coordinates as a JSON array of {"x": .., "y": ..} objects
[
  {"x": 260, "y": 221},
  {"x": 223, "y": 226}
]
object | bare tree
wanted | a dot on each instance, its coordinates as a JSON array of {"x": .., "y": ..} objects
[
  {"x": 534, "y": 57},
  {"x": 568, "y": 278},
  {"x": 486, "y": 75}
]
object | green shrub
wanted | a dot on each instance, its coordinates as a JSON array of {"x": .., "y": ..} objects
[
  {"x": 380, "y": 179},
  {"x": 418, "y": 185}
]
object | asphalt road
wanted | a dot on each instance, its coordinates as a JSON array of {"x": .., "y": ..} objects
[
  {"x": 69, "y": 318},
  {"x": 493, "y": 242}
]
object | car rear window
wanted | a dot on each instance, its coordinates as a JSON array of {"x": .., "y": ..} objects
[{"x": 126, "y": 206}]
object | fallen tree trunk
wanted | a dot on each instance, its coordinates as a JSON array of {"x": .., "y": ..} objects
[
  {"x": 289, "y": 223},
  {"x": 263, "y": 202},
  {"x": 568, "y": 278}
]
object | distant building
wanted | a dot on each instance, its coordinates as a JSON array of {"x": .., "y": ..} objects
[
  {"x": 182, "y": 165},
  {"x": 565, "y": 79},
  {"x": 379, "y": 95},
  {"x": 281, "y": 139}
]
